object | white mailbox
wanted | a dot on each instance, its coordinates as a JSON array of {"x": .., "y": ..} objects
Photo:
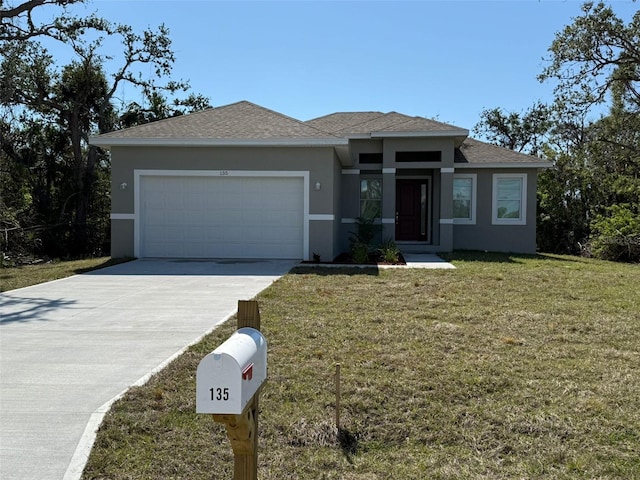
[{"x": 228, "y": 377}]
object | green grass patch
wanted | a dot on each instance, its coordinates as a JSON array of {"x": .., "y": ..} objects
[
  {"x": 27, "y": 275},
  {"x": 508, "y": 367}
]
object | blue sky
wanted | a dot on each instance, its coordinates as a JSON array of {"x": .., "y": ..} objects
[{"x": 439, "y": 59}]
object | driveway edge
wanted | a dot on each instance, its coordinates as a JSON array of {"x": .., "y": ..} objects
[{"x": 83, "y": 449}]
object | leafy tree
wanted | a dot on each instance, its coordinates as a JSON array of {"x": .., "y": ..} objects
[
  {"x": 594, "y": 55},
  {"x": 520, "y": 132},
  {"x": 590, "y": 201},
  {"x": 17, "y": 21},
  {"x": 48, "y": 113}
]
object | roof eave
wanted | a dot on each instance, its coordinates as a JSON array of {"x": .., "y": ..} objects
[
  {"x": 494, "y": 165},
  {"x": 435, "y": 133},
  {"x": 108, "y": 142}
]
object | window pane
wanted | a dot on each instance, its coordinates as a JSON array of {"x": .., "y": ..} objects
[
  {"x": 462, "y": 188},
  {"x": 370, "y": 208},
  {"x": 509, "y": 197},
  {"x": 371, "y": 198},
  {"x": 462, "y": 209},
  {"x": 371, "y": 189},
  {"x": 508, "y": 209},
  {"x": 509, "y": 189},
  {"x": 462, "y": 194}
]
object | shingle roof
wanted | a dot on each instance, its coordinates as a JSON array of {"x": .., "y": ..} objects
[
  {"x": 477, "y": 153},
  {"x": 346, "y": 123},
  {"x": 238, "y": 121},
  {"x": 242, "y": 122},
  {"x": 336, "y": 122}
]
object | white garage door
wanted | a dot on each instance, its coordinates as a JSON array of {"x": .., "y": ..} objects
[{"x": 221, "y": 217}]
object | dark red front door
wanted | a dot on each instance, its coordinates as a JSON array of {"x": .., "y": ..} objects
[{"x": 411, "y": 210}]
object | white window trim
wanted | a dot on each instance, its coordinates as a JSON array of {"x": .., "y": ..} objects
[
  {"x": 474, "y": 198},
  {"x": 523, "y": 200}
]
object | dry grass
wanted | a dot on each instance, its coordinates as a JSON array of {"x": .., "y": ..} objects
[
  {"x": 508, "y": 367},
  {"x": 27, "y": 275}
]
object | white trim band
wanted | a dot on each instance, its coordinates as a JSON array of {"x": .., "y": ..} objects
[
  {"x": 388, "y": 170},
  {"x": 107, "y": 141},
  {"x": 351, "y": 171},
  {"x": 446, "y": 221},
  {"x": 447, "y": 170},
  {"x": 388, "y": 221},
  {"x": 322, "y": 216},
  {"x": 123, "y": 216}
]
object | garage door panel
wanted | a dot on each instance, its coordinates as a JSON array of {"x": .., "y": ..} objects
[{"x": 224, "y": 217}]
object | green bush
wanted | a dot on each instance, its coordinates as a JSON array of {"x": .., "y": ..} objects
[
  {"x": 616, "y": 234},
  {"x": 389, "y": 251},
  {"x": 360, "y": 252},
  {"x": 366, "y": 231}
]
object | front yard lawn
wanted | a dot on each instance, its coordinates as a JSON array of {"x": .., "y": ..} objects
[
  {"x": 508, "y": 367},
  {"x": 27, "y": 275}
]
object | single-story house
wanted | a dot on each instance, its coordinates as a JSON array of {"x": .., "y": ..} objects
[{"x": 243, "y": 181}]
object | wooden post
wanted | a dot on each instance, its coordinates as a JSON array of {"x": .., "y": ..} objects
[
  {"x": 338, "y": 397},
  {"x": 248, "y": 314},
  {"x": 242, "y": 430}
]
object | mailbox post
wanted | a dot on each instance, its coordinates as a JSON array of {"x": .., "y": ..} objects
[{"x": 228, "y": 383}]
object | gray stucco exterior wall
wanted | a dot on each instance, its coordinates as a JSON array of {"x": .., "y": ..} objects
[
  {"x": 318, "y": 162},
  {"x": 484, "y": 235}
]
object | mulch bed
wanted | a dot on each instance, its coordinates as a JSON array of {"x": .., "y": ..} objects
[{"x": 346, "y": 259}]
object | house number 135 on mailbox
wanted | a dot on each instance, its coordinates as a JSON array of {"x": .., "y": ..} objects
[
  {"x": 219, "y": 394},
  {"x": 228, "y": 377}
]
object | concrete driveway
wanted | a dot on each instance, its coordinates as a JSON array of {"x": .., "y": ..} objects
[{"x": 69, "y": 348}]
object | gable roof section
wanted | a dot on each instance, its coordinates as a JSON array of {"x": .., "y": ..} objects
[
  {"x": 378, "y": 124},
  {"x": 337, "y": 122},
  {"x": 476, "y": 154},
  {"x": 241, "y": 123}
]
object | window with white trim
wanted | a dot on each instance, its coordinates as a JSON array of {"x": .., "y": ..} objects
[
  {"x": 370, "y": 198},
  {"x": 509, "y": 201},
  {"x": 464, "y": 199}
]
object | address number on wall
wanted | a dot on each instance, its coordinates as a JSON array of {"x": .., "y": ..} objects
[{"x": 224, "y": 173}]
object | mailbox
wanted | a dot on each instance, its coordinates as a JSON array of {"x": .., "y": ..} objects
[{"x": 228, "y": 377}]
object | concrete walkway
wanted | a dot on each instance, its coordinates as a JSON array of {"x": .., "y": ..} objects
[
  {"x": 69, "y": 348},
  {"x": 425, "y": 260}
]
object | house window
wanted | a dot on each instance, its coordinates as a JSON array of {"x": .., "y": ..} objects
[
  {"x": 370, "y": 158},
  {"x": 430, "y": 156},
  {"x": 370, "y": 198},
  {"x": 509, "y": 202},
  {"x": 464, "y": 199}
]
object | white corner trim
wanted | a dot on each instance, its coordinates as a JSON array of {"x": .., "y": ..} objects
[
  {"x": 389, "y": 170},
  {"x": 322, "y": 216},
  {"x": 351, "y": 171},
  {"x": 446, "y": 221},
  {"x": 348, "y": 220},
  {"x": 123, "y": 216},
  {"x": 447, "y": 170}
]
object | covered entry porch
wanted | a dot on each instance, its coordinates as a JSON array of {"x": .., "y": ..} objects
[{"x": 417, "y": 209}]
